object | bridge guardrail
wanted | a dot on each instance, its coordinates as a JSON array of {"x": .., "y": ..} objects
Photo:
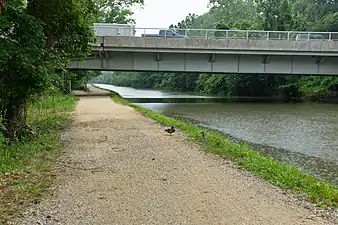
[{"x": 234, "y": 34}]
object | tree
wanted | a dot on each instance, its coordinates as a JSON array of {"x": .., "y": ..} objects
[
  {"x": 37, "y": 38},
  {"x": 2, "y": 5},
  {"x": 66, "y": 25},
  {"x": 116, "y": 11},
  {"x": 34, "y": 41},
  {"x": 220, "y": 25},
  {"x": 275, "y": 14},
  {"x": 187, "y": 23},
  {"x": 22, "y": 63},
  {"x": 233, "y": 13}
]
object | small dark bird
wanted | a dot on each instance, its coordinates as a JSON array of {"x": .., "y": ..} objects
[
  {"x": 170, "y": 130},
  {"x": 203, "y": 135}
]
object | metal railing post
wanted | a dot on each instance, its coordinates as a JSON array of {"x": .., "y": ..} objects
[
  {"x": 102, "y": 41},
  {"x": 247, "y": 35},
  {"x": 206, "y": 34},
  {"x": 288, "y": 35},
  {"x": 330, "y": 36},
  {"x": 267, "y": 35},
  {"x": 227, "y": 34},
  {"x": 186, "y": 32},
  {"x": 308, "y": 36}
]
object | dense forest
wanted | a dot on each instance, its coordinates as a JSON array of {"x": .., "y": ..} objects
[
  {"x": 301, "y": 15},
  {"x": 37, "y": 39}
]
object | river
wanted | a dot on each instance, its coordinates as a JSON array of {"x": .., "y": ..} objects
[{"x": 303, "y": 135}]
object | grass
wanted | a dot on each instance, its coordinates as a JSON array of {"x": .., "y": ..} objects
[
  {"x": 323, "y": 194},
  {"x": 26, "y": 169}
]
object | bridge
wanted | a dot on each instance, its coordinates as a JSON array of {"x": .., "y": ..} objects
[{"x": 216, "y": 51}]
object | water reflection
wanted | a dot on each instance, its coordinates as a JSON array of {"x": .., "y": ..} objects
[
  {"x": 127, "y": 92},
  {"x": 303, "y": 135}
]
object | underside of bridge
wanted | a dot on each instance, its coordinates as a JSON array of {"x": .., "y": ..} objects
[{"x": 208, "y": 63}]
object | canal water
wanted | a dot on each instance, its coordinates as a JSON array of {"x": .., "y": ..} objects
[{"x": 303, "y": 135}]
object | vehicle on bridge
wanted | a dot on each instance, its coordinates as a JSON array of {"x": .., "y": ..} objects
[
  {"x": 306, "y": 37},
  {"x": 165, "y": 34},
  {"x": 113, "y": 29}
]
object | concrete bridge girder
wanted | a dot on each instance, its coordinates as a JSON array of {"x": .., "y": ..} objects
[
  {"x": 320, "y": 59},
  {"x": 266, "y": 59},
  {"x": 210, "y": 63},
  {"x": 213, "y": 55}
]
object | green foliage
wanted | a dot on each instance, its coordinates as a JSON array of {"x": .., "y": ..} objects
[
  {"x": 22, "y": 55},
  {"x": 66, "y": 25},
  {"x": 80, "y": 78},
  {"x": 279, "y": 174},
  {"x": 25, "y": 167},
  {"x": 315, "y": 15},
  {"x": 116, "y": 11},
  {"x": 183, "y": 82},
  {"x": 188, "y": 22},
  {"x": 37, "y": 39}
]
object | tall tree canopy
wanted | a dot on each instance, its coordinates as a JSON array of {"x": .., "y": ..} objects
[{"x": 116, "y": 11}]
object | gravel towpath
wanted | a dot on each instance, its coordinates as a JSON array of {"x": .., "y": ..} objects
[{"x": 119, "y": 167}]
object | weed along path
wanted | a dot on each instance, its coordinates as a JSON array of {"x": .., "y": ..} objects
[{"x": 120, "y": 167}]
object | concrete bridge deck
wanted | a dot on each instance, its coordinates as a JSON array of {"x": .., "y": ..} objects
[{"x": 219, "y": 46}]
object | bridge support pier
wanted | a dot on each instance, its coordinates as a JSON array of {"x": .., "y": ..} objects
[
  {"x": 266, "y": 59},
  {"x": 320, "y": 59},
  {"x": 212, "y": 57},
  {"x": 102, "y": 52}
]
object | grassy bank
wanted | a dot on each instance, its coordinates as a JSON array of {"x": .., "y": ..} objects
[
  {"x": 279, "y": 174},
  {"x": 26, "y": 169}
]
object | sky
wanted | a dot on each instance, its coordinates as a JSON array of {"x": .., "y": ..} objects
[{"x": 162, "y": 13}]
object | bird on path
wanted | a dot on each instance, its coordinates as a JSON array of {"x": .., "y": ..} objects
[
  {"x": 170, "y": 130},
  {"x": 203, "y": 135}
]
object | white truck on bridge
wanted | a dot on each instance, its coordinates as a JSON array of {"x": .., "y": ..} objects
[{"x": 112, "y": 29}]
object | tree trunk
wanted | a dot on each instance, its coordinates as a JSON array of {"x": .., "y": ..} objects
[
  {"x": 15, "y": 119},
  {"x": 2, "y": 5}
]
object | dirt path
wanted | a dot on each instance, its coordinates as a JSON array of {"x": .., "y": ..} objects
[
  {"x": 133, "y": 173},
  {"x": 93, "y": 91}
]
